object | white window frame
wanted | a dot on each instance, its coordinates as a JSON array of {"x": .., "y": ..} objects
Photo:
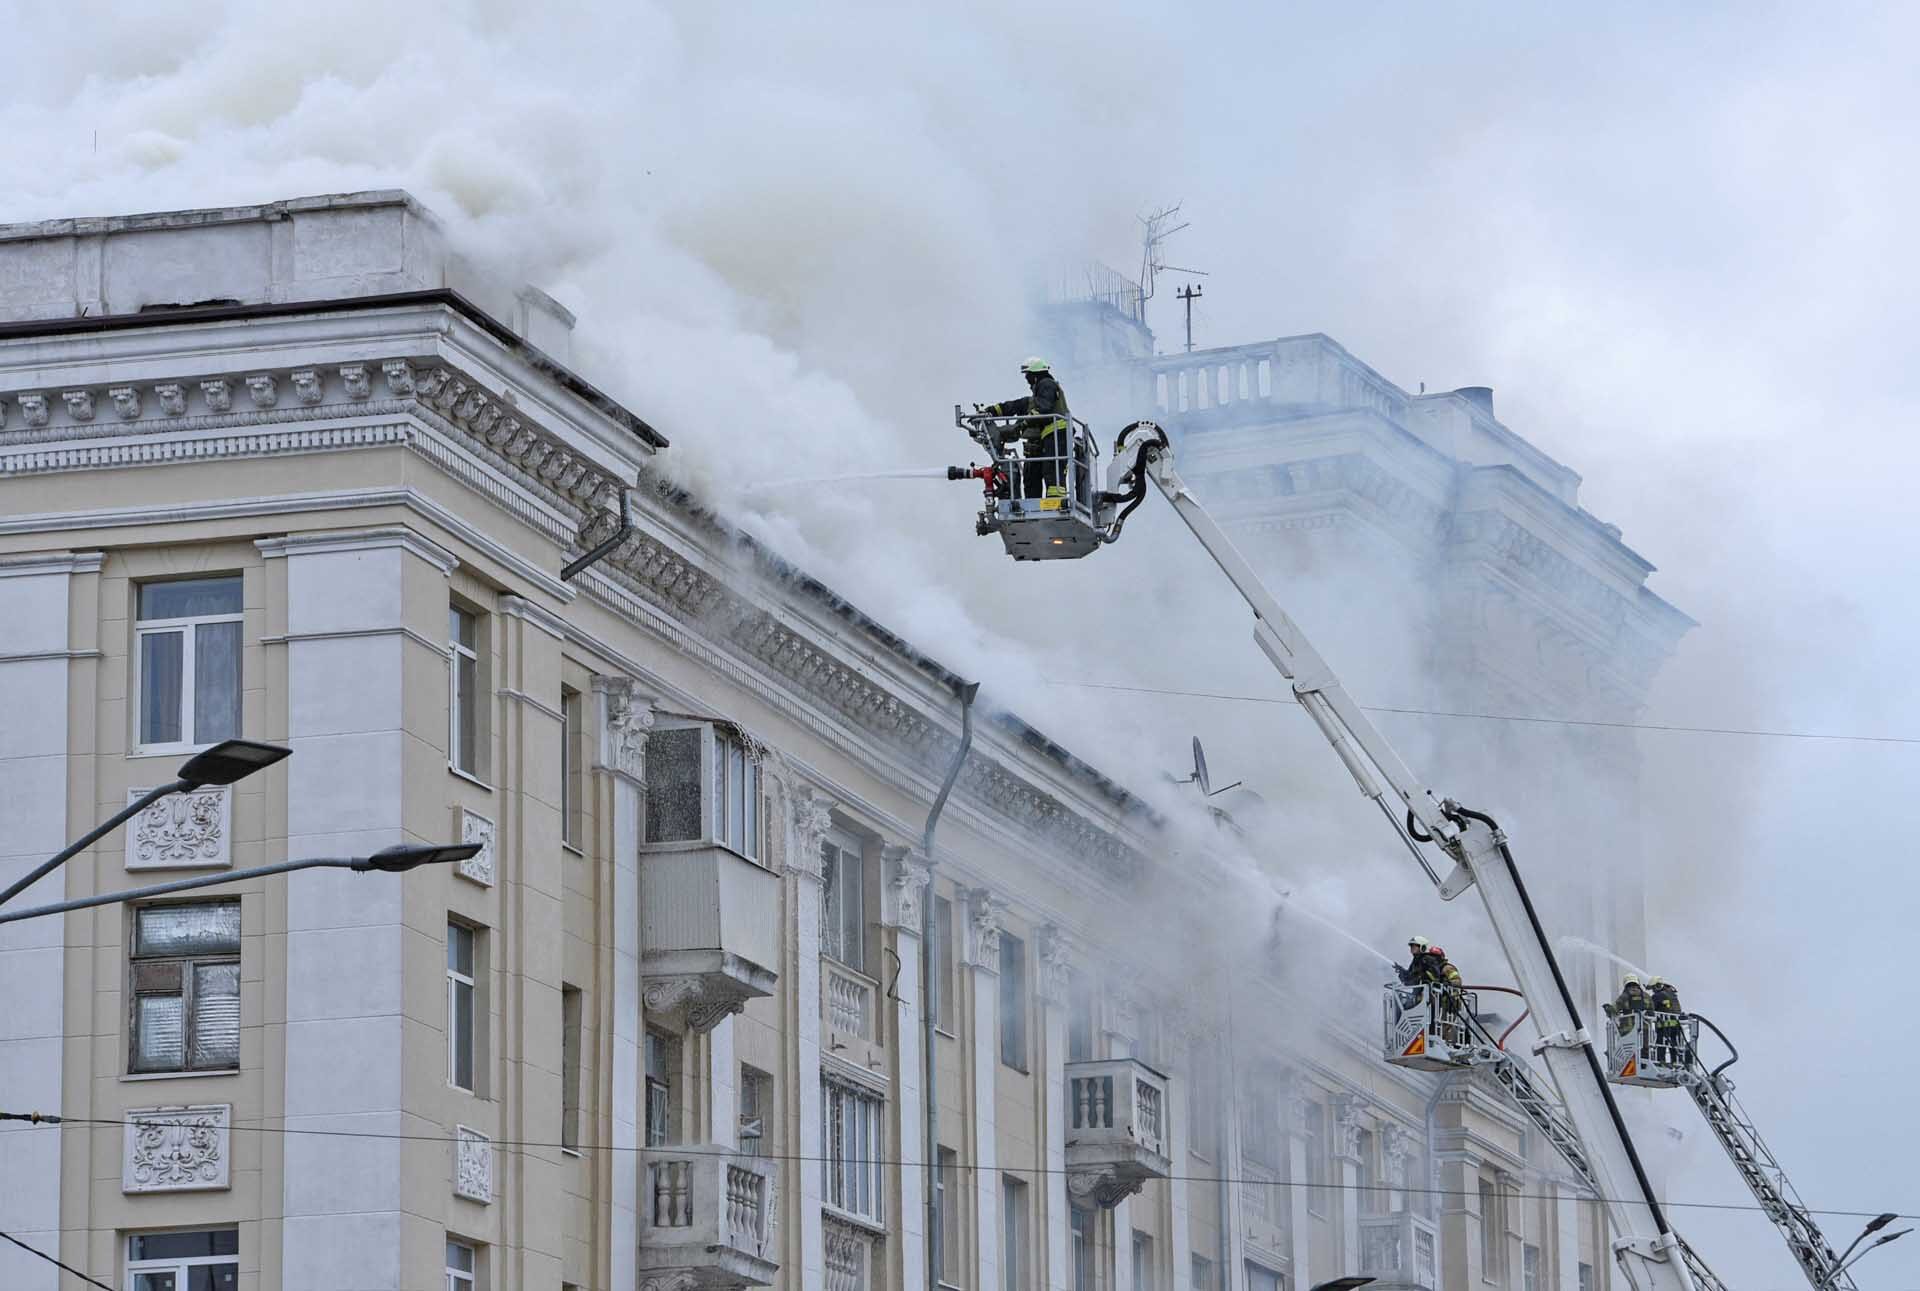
[
  {"x": 1142, "y": 1261},
  {"x": 455, "y": 980},
  {"x": 661, "y": 1091},
  {"x": 456, "y": 651},
  {"x": 177, "y": 1265},
  {"x": 1492, "y": 1236},
  {"x": 1529, "y": 1267},
  {"x": 1014, "y": 1047},
  {"x": 947, "y": 1194},
  {"x": 756, "y": 1108},
  {"x": 188, "y": 1005},
  {"x": 715, "y": 745},
  {"x": 853, "y": 1176},
  {"x": 1082, "y": 1246},
  {"x": 187, "y": 627},
  {"x": 832, "y": 941},
  {"x": 463, "y": 1279},
  {"x": 1015, "y": 1224},
  {"x": 572, "y": 1039},
  {"x": 572, "y": 784}
]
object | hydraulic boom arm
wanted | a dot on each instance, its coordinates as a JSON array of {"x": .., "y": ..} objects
[{"x": 1650, "y": 1255}]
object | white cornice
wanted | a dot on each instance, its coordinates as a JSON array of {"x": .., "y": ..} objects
[
  {"x": 313, "y": 544},
  {"x": 63, "y": 562}
]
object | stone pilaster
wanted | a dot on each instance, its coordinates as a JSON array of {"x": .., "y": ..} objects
[
  {"x": 809, "y": 816},
  {"x": 1058, "y": 964},
  {"x": 903, "y": 910},
  {"x": 1299, "y": 1198},
  {"x": 984, "y": 911}
]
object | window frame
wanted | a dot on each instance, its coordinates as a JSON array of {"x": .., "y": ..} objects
[
  {"x": 1082, "y": 1249},
  {"x": 572, "y": 779},
  {"x": 186, "y": 992},
  {"x": 715, "y": 744},
  {"x": 659, "y": 1132},
  {"x": 1016, "y": 1228},
  {"x": 1316, "y": 1154},
  {"x": 475, "y": 654},
  {"x": 1199, "y": 1272},
  {"x": 946, "y": 1012},
  {"x": 1529, "y": 1267},
  {"x": 761, "y": 1117},
  {"x": 464, "y": 1279},
  {"x": 1014, "y": 1003},
  {"x": 572, "y": 1040},
  {"x": 1492, "y": 1238},
  {"x": 856, "y": 1152},
  {"x": 177, "y": 1266},
  {"x": 832, "y": 931},
  {"x": 471, "y": 980},
  {"x": 188, "y": 628},
  {"x": 947, "y": 1199},
  {"x": 1142, "y": 1251}
]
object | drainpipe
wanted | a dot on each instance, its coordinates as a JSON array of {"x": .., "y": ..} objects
[
  {"x": 618, "y": 536},
  {"x": 930, "y": 988}
]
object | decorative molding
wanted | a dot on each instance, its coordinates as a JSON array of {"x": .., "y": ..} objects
[
  {"x": 625, "y": 718},
  {"x": 680, "y": 1280},
  {"x": 307, "y": 385},
  {"x": 191, "y": 830},
  {"x": 172, "y": 397},
  {"x": 176, "y": 1149},
  {"x": 812, "y": 818},
  {"x": 1396, "y": 1150},
  {"x": 984, "y": 913},
  {"x": 1348, "y": 1117},
  {"x": 264, "y": 389},
  {"x": 218, "y": 393},
  {"x": 126, "y": 401},
  {"x": 702, "y": 1000},
  {"x": 399, "y": 374},
  {"x": 1059, "y": 957},
  {"x": 519, "y": 607},
  {"x": 903, "y": 899},
  {"x": 61, "y": 562},
  {"x": 33, "y": 409},
  {"x": 472, "y": 1165},
  {"x": 1103, "y": 1188},
  {"x": 336, "y": 540},
  {"x": 79, "y": 404},
  {"x": 355, "y": 381},
  {"x": 475, "y": 828}
]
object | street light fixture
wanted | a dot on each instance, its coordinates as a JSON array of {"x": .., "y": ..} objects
[
  {"x": 222, "y": 764},
  {"x": 1342, "y": 1284},
  {"x": 397, "y": 859},
  {"x": 1873, "y": 1226}
]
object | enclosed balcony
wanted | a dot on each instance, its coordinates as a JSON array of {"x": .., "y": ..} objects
[
  {"x": 708, "y": 1218},
  {"x": 1400, "y": 1251},
  {"x": 1116, "y": 1129}
]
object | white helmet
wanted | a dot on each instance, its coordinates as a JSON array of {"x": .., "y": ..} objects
[
  {"x": 1418, "y": 942},
  {"x": 1656, "y": 981},
  {"x": 1035, "y": 363},
  {"x": 1631, "y": 979}
]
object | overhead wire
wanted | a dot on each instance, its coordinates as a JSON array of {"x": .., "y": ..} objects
[
  {"x": 67, "y": 1268},
  {"x": 1665, "y": 727},
  {"x": 521, "y": 1146}
]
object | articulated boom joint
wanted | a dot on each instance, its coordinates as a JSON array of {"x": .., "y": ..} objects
[{"x": 1579, "y": 1039}]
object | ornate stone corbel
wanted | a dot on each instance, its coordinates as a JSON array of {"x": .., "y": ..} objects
[
  {"x": 219, "y": 394},
  {"x": 355, "y": 381},
  {"x": 33, "y": 409},
  {"x": 172, "y": 397},
  {"x": 399, "y": 374},
  {"x": 984, "y": 913},
  {"x": 625, "y": 718},
  {"x": 79, "y": 404},
  {"x": 1058, "y": 957},
  {"x": 1348, "y": 1114},
  {"x": 126, "y": 401},
  {"x": 812, "y": 817},
  {"x": 904, "y": 897},
  {"x": 1396, "y": 1148},
  {"x": 1101, "y": 1188},
  {"x": 306, "y": 385},
  {"x": 703, "y": 1000},
  {"x": 264, "y": 388}
]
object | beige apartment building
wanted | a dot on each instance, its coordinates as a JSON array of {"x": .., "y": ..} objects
[{"x": 298, "y": 473}]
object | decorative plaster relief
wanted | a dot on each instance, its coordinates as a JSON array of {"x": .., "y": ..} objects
[
  {"x": 472, "y": 1165},
  {"x": 192, "y": 830},
  {"x": 306, "y": 385},
  {"x": 79, "y": 404},
  {"x": 1348, "y": 1111},
  {"x": 399, "y": 374},
  {"x": 219, "y": 393},
  {"x": 33, "y": 409},
  {"x": 703, "y": 999},
  {"x": 475, "y": 828},
  {"x": 984, "y": 912},
  {"x": 126, "y": 401},
  {"x": 628, "y": 716},
  {"x": 812, "y": 818},
  {"x": 354, "y": 378},
  {"x": 904, "y": 898},
  {"x": 1057, "y": 964},
  {"x": 264, "y": 389},
  {"x": 176, "y": 1149},
  {"x": 172, "y": 397}
]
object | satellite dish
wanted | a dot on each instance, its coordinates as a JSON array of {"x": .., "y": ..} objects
[{"x": 1200, "y": 767}]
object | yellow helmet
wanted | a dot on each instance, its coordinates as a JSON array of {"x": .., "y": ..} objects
[
  {"x": 1035, "y": 364},
  {"x": 1631, "y": 979},
  {"x": 1656, "y": 981}
]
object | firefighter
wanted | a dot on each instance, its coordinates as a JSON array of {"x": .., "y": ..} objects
[
  {"x": 1664, "y": 1002},
  {"x": 1429, "y": 967},
  {"x": 1044, "y": 434},
  {"x": 1631, "y": 1002}
]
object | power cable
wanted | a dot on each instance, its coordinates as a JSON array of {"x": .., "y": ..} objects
[
  {"x": 523, "y": 1145},
  {"x": 1669, "y": 728},
  {"x": 31, "y": 1250}
]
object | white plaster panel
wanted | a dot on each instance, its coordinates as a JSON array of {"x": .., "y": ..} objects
[
  {"x": 177, "y": 1148},
  {"x": 986, "y": 1174},
  {"x": 806, "y": 935},
  {"x": 912, "y": 1220},
  {"x": 344, "y": 1065},
  {"x": 33, "y": 697},
  {"x": 343, "y": 1171},
  {"x": 179, "y": 266},
  {"x": 371, "y": 956},
  {"x": 624, "y": 1224},
  {"x": 340, "y": 1252},
  {"x": 346, "y": 685},
  {"x": 724, "y": 1100},
  {"x": 33, "y": 803},
  {"x": 1059, "y": 1235},
  {"x": 30, "y": 981},
  {"x": 33, "y": 613},
  {"x": 32, "y": 934},
  {"x": 340, "y": 898},
  {"x": 345, "y": 783},
  {"x": 345, "y": 591},
  {"x": 190, "y": 830}
]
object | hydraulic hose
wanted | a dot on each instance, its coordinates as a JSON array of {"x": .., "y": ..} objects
[
  {"x": 1573, "y": 1011},
  {"x": 1715, "y": 1073}
]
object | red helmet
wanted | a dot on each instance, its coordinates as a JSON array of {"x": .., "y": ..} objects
[{"x": 1435, "y": 950}]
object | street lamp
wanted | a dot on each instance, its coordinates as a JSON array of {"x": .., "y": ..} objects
[
  {"x": 1342, "y": 1284},
  {"x": 224, "y": 763},
  {"x": 1874, "y": 1225},
  {"x": 397, "y": 859}
]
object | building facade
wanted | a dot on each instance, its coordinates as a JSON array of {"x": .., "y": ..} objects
[{"x": 297, "y": 473}]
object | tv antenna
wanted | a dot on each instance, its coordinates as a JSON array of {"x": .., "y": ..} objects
[{"x": 1154, "y": 231}]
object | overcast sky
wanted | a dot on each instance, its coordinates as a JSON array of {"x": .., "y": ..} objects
[{"x": 1677, "y": 244}]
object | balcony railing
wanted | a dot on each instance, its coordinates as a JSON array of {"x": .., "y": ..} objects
[
  {"x": 1401, "y": 1251},
  {"x": 708, "y": 1213},
  {"x": 1116, "y": 1128},
  {"x": 849, "y": 1001}
]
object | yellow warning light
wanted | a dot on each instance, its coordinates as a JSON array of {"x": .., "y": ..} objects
[{"x": 1059, "y": 542}]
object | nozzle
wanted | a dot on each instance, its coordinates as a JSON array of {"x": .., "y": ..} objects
[{"x": 959, "y": 473}]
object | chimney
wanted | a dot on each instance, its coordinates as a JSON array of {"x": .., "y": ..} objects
[{"x": 1480, "y": 397}]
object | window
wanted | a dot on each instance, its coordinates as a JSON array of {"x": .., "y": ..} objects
[
  {"x": 947, "y": 1198},
  {"x": 572, "y": 784},
  {"x": 843, "y": 916},
  {"x": 1529, "y": 1268},
  {"x": 1263, "y": 1279},
  {"x": 1586, "y": 1277},
  {"x": 943, "y": 936},
  {"x": 1489, "y": 1232},
  {"x": 663, "y": 1063},
  {"x": 460, "y": 1005},
  {"x": 187, "y": 662},
  {"x": 1079, "y": 1020},
  {"x": 852, "y": 1171},
  {"x": 1260, "y": 1129},
  {"x": 570, "y": 1067},
  {"x": 1316, "y": 1146},
  {"x": 1202, "y": 1273},
  {"x": 756, "y": 1105},
  {"x": 1372, "y": 1199},
  {"x": 1080, "y": 1227},
  {"x": 463, "y": 1264},
  {"x": 1203, "y": 1111},
  {"x": 463, "y": 690},
  {"x": 1013, "y": 1001},
  {"x": 185, "y": 1011},
  {"x": 1142, "y": 1262},
  {"x": 702, "y": 786},
  {"x": 1013, "y": 1233},
  {"x": 198, "y": 1261}
]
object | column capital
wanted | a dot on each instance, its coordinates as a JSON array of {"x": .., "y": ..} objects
[
  {"x": 1059, "y": 961},
  {"x": 984, "y": 913},
  {"x": 626, "y": 715},
  {"x": 902, "y": 903},
  {"x": 811, "y": 816},
  {"x": 1349, "y": 1111}
]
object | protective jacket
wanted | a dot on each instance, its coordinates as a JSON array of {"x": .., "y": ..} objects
[
  {"x": 1632, "y": 999},
  {"x": 1430, "y": 968},
  {"x": 1664, "y": 999},
  {"x": 1047, "y": 397}
]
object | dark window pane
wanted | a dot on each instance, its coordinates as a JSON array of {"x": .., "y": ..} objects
[
  {"x": 213, "y": 1277},
  {"x": 463, "y": 1035},
  {"x": 160, "y": 679},
  {"x": 460, "y": 627},
  {"x": 159, "y": 1040},
  {"x": 466, "y": 720},
  {"x": 216, "y": 682},
  {"x": 216, "y": 1015},
  {"x": 190, "y": 598},
  {"x": 673, "y": 785},
  {"x": 186, "y": 1246},
  {"x": 736, "y": 796},
  {"x": 460, "y": 949},
  {"x": 154, "y": 1282},
  {"x": 207, "y": 929}
]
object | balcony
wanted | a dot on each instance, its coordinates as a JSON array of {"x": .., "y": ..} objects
[
  {"x": 709, "y": 931},
  {"x": 1116, "y": 1129},
  {"x": 708, "y": 1219},
  {"x": 1264, "y": 1208},
  {"x": 1400, "y": 1251}
]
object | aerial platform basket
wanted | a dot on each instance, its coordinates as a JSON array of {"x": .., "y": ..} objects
[
  {"x": 1042, "y": 497},
  {"x": 1429, "y": 1028},
  {"x": 1654, "y": 1050}
]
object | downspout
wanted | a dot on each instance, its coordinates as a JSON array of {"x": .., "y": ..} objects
[
  {"x": 930, "y": 989},
  {"x": 572, "y": 567}
]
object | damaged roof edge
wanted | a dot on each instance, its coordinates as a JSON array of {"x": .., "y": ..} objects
[{"x": 543, "y": 362}]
